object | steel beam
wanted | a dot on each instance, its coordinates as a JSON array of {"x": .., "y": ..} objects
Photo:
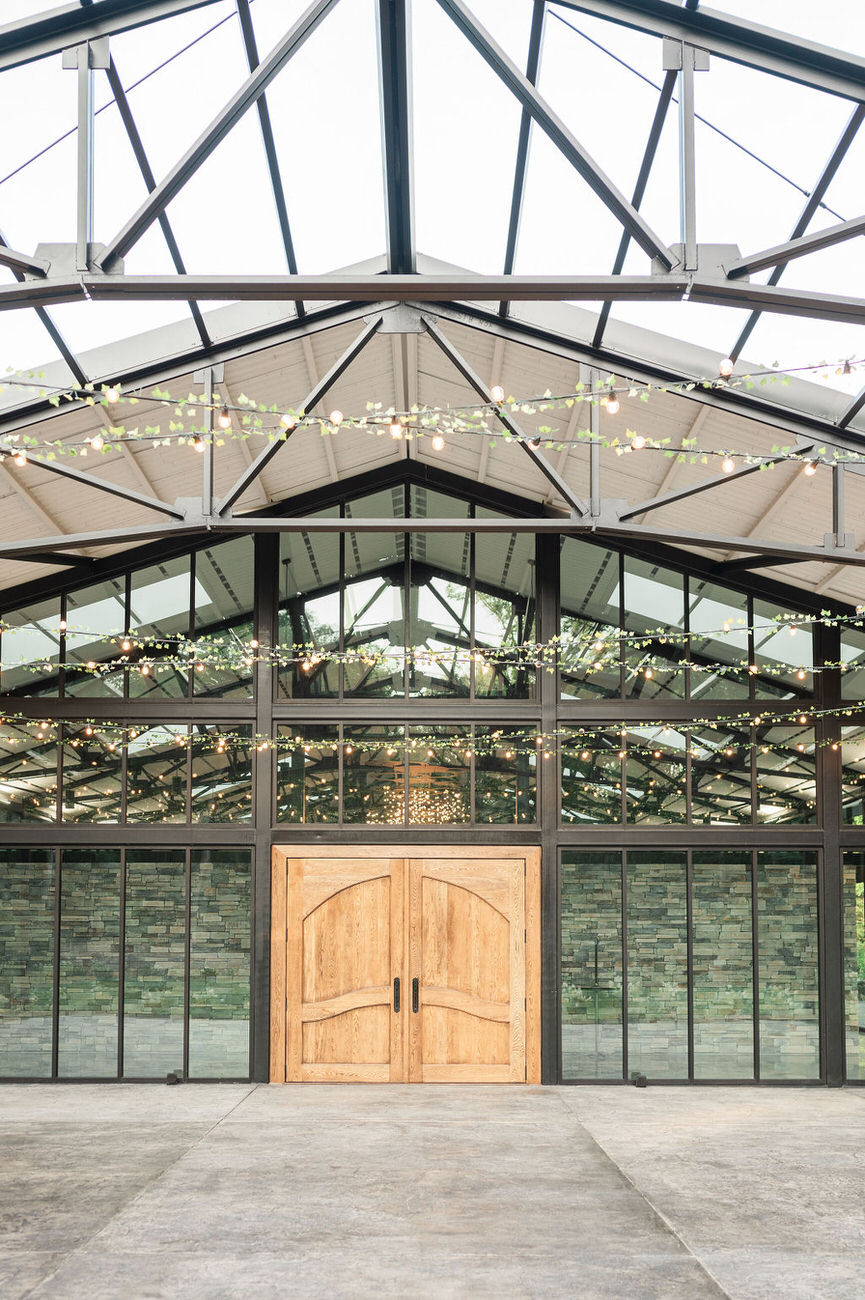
[
  {"x": 106, "y": 537},
  {"x": 263, "y": 459},
  {"x": 558, "y": 133},
  {"x": 784, "y": 302},
  {"x": 100, "y": 485},
  {"x": 812, "y": 204},
  {"x": 459, "y": 362},
  {"x": 781, "y": 254},
  {"x": 393, "y": 35},
  {"x": 186, "y": 167},
  {"x": 55, "y": 29},
  {"x": 132, "y": 132},
  {"x": 249, "y": 43},
  {"x": 23, "y": 261},
  {"x": 533, "y": 60},
  {"x": 739, "y": 40},
  {"x": 75, "y": 367},
  {"x": 852, "y": 410},
  {"x": 694, "y": 489},
  {"x": 655, "y": 132}
]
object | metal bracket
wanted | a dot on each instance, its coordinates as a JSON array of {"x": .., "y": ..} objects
[
  {"x": 400, "y": 319},
  {"x": 89, "y": 54},
  {"x": 712, "y": 260},
  {"x": 61, "y": 259},
  {"x": 674, "y": 56}
]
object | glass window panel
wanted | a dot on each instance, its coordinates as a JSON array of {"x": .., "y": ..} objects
[
  {"x": 786, "y": 775},
  {"x": 506, "y": 760},
  {"x": 789, "y": 976},
  {"x": 591, "y": 902},
  {"x": 28, "y": 772},
  {"x": 504, "y": 613},
  {"x": 307, "y": 774},
  {"x": 656, "y": 775},
  {"x": 783, "y": 654},
  {"x": 718, "y": 622},
  {"x": 96, "y": 622},
  {"x": 854, "y": 963},
  {"x": 219, "y": 953},
  {"x": 309, "y": 574},
  {"x": 26, "y": 961},
  {"x": 439, "y": 776},
  {"x": 373, "y": 613},
  {"x": 373, "y": 779},
  {"x": 591, "y": 767},
  {"x": 224, "y": 620},
  {"x": 853, "y": 776},
  {"x": 156, "y": 763},
  {"x": 853, "y": 656},
  {"x": 159, "y": 628},
  {"x": 589, "y": 650},
  {"x": 30, "y": 649},
  {"x": 155, "y": 950},
  {"x": 92, "y": 774},
  {"x": 720, "y": 775},
  {"x": 89, "y": 963},
  {"x": 440, "y": 612},
  {"x": 221, "y": 759},
  {"x": 723, "y": 966},
  {"x": 654, "y": 650},
  {"x": 657, "y": 965}
]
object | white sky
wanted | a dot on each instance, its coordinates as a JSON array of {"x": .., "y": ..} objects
[{"x": 324, "y": 107}]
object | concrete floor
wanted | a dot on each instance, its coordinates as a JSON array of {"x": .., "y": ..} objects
[{"x": 116, "y": 1193}]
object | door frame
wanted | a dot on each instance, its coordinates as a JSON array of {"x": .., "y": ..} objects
[{"x": 282, "y": 853}]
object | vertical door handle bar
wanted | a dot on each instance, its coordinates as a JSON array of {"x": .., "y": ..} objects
[
  {"x": 396, "y": 994},
  {"x": 415, "y": 999}
]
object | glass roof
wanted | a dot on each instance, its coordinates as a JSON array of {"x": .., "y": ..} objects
[{"x": 762, "y": 143}]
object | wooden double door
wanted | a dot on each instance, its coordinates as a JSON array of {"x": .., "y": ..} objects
[{"x": 405, "y": 965}]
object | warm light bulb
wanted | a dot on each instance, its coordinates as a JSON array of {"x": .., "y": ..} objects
[
  {"x": 224, "y": 418},
  {"x": 728, "y": 465},
  {"x": 336, "y": 417},
  {"x": 199, "y": 443},
  {"x": 438, "y": 442},
  {"x": 287, "y": 421},
  {"x": 395, "y": 427},
  {"x": 725, "y": 367},
  {"x": 125, "y": 644},
  {"x": 809, "y": 468},
  {"x": 612, "y": 405},
  {"x": 638, "y": 442},
  {"x": 112, "y": 394},
  {"x": 97, "y": 442},
  {"x": 534, "y": 443},
  {"x": 497, "y": 393},
  {"x": 21, "y": 458}
]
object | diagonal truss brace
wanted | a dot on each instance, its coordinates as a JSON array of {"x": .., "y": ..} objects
[
  {"x": 703, "y": 485},
  {"x": 577, "y": 507},
  {"x": 783, "y": 253},
  {"x": 185, "y": 167},
  {"x": 100, "y": 485},
  {"x": 263, "y": 459},
  {"x": 555, "y": 129}
]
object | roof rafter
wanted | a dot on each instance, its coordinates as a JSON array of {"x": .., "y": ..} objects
[
  {"x": 393, "y": 40},
  {"x": 533, "y": 62}
]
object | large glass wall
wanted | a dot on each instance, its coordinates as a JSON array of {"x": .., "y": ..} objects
[{"x": 124, "y": 963}]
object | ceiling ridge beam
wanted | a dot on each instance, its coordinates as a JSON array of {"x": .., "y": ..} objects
[
  {"x": 189, "y": 163},
  {"x": 393, "y": 44},
  {"x": 558, "y": 133}
]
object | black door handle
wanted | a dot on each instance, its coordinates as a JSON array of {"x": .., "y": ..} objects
[
  {"x": 415, "y": 998},
  {"x": 396, "y": 994}
]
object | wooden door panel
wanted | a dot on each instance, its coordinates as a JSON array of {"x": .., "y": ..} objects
[
  {"x": 467, "y": 948},
  {"x": 344, "y": 948}
]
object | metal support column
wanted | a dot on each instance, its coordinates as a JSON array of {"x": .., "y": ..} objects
[
  {"x": 207, "y": 377},
  {"x": 84, "y": 59},
  {"x": 686, "y": 60},
  {"x": 547, "y": 571},
  {"x": 264, "y": 760},
  {"x": 590, "y": 378},
  {"x": 831, "y": 876}
]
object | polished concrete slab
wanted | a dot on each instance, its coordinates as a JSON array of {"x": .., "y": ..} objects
[{"x": 225, "y": 1191}]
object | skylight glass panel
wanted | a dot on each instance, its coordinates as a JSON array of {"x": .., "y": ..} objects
[{"x": 464, "y": 167}]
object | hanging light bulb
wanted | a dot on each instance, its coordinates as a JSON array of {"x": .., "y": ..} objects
[
  {"x": 809, "y": 468},
  {"x": 395, "y": 426},
  {"x": 63, "y": 625},
  {"x": 497, "y": 393},
  {"x": 726, "y": 367},
  {"x": 97, "y": 442},
  {"x": 336, "y": 416},
  {"x": 224, "y": 418},
  {"x": 638, "y": 442},
  {"x": 287, "y": 421},
  {"x": 125, "y": 644},
  {"x": 612, "y": 405},
  {"x": 728, "y": 465},
  {"x": 438, "y": 442},
  {"x": 534, "y": 443},
  {"x": 21, "y": 458},
  {"x": 198, "y": 444},
  {"x": 112, "y": 394}
]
